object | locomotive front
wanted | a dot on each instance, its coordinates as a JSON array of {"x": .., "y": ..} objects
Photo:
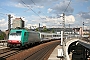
[{"x": 14, "y": 38}]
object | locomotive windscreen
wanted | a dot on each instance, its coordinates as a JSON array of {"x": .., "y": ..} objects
[{"x": 16, "y": 33}]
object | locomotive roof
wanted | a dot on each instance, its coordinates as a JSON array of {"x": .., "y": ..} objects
[{"x": 13, "y": 30}]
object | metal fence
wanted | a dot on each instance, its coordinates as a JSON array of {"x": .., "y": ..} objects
[{"x": 3, "y": 42}]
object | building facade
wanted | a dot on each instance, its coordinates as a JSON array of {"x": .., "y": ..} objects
[{"x": 18, "y": 22}]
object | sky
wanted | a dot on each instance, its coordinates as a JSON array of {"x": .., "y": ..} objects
[{"x": 46, "y": 12}]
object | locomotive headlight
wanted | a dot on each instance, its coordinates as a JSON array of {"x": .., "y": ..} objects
[
  {"x": 19, "y": 41},
  {"x": 9, "y": 41}
]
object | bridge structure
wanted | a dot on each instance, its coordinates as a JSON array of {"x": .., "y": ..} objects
[{"x": 76, "y": 48}]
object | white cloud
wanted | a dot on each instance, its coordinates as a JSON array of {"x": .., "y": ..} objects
[
  {"x": 28, "y": 25},
  {"x": 87, "y": 27},
  {"x": 3, "y": 24},
  {"x": 49, "y": 10},
  {"x": 37, "y": 6},
  {"x": 44, "y": 24},
  {"x": 15, "y": 4},
  {"x": 69, "y": 19},
  {"x": 57, "y": 22},
  {"x": 2, "y": 21},
  {"x": 19, "y": 5},
  {"x": 82, "y": 0},
  {"x": 22, "y": 5},
  {"x": 59, "y": 8}
]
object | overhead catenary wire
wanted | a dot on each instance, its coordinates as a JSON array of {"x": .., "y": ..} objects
[
  {"x": 33, "y": 2},
  {"x": 67, "y": 6},
  {"x": 29, "y": 8},
  {"x": 64, "y": 13},
  {"x": 39, "y": 9}
]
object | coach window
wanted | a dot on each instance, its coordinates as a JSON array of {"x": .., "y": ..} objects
[{"x": 42, "y": 36}]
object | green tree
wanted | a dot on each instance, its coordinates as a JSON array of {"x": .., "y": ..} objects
[
  {"x": 37, "y": 29},
  {"x": 44, "y": 30},
  {"x": 52, "y": 31},
  {"x": 2, "y": 36}
]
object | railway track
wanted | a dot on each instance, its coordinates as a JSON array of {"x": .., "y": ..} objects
[
  {"x": 5, "y": 53},
  {"x": 40, "y": 52},
  {"x": 2, "y": 51}
]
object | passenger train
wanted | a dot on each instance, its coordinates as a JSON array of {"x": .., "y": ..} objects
[{"x": 23, "y": 37}]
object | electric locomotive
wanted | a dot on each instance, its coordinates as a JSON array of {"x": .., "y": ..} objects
[
  {"x": 16, "y": 37},
  {"x": 23, "y": 37}
]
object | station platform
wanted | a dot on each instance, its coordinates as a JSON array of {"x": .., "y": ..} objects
[{"x": 54, "y": 54}]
